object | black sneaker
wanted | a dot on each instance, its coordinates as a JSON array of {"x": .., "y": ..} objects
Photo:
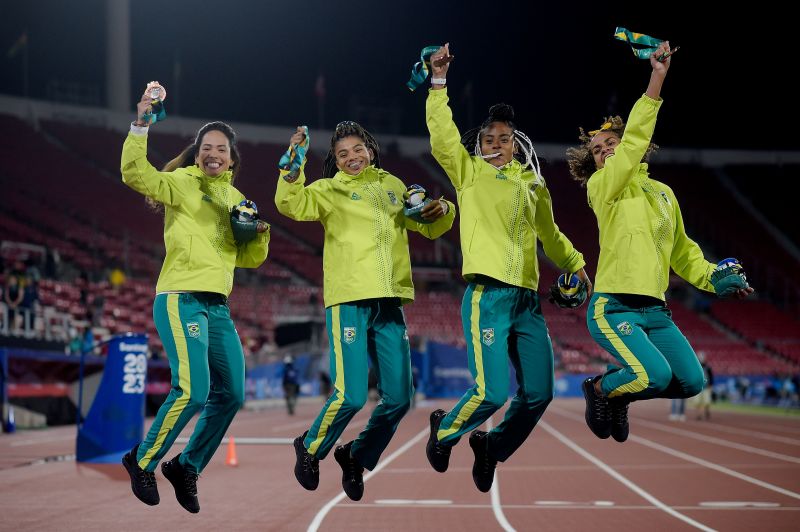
[
  {"x": 619, "y": 419},
  {"x": 143, "y": 483},
  {"x": 597, "y": 414},
  {"x": 352, "y": 471},
  {"x": 306, "y": 468},
  {"x": 184, "y": 482},
  {"x": 483, "y": 468},
  {"x": 438, "y": 453}
]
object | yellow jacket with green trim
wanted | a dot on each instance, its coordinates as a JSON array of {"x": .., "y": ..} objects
[
  {"x": 201, "y": 250},
  {"x": 640, "y": 222},
  {"x": 365, "y": 254},
  {"x": 503, "y": 211}
]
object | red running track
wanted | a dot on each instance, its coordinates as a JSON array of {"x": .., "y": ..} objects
[{"x": 737, "y": 472}]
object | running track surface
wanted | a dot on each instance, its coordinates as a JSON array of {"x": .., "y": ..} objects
[{"x": 737, "y": 472}]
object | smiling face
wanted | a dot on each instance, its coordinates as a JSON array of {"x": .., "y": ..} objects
[
  {"x": 602, "y": 146},
  {"x": 352, "y": 155},
  {"x": 498, "y": 139},
  {"x": 214, "y": 155}
]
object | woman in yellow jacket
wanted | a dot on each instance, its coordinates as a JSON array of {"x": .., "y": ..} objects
[
  {"x": 641, "y": 236},
  {"x": 367, "y": 280},
  {"x": 191, "y": 310},
  {"x": 505, "y": 209}
]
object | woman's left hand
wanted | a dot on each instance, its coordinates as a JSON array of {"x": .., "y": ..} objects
[
  {"x": 585, "y": 279},
  {"x": 435, "y": 210}
]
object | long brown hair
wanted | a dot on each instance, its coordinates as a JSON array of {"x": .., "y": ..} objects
[{"x": 189, "y": 154}]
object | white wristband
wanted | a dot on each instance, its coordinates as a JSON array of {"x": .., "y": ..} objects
[{"x": 438, "y": 81}]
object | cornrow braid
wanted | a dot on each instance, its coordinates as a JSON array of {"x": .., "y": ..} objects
[{"x": 349, "y": 129}]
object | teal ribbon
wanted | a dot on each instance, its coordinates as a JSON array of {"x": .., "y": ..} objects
[
  {"x": 643, "y": 46},
  {"x": 156, "y": 113},
  {"x": 295, "y": 156},
  {"x": 420, "y": 70}
]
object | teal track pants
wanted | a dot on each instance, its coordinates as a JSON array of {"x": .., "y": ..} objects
[
  {"x": 207, "y": 363},
  {"x": 370, "y": 330},
  {"x": 502, "y": 322},
  {"x": 656, "y": 358}
]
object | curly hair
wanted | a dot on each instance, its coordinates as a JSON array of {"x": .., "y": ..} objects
[
  {"x": 580, "y": 159},
  {"x": 350, "y": 129}
]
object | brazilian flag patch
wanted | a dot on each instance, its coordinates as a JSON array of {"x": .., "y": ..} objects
[
  {"x": 487, "y": 336},
  {"x": 349, "y": 335}
]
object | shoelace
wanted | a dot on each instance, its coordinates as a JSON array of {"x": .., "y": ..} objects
[
  {"x": 310, "y": 463},
  {"x": 601, "y": 408},
  {"x": 190, "y": 483},
  {"x": 353, "y": 469},
  {"x": 488, "y": 464},
  {"x": 146, "y": 478},
  {"x": 619, "y": 414},
  {"x": 441, "y": 450}
]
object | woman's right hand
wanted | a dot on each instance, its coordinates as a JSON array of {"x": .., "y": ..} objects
[
  {"x": 143, "y": 107},
  {"x": 661, "y": 67},
  {"x": 440, "y": 62},
  {"x": 298, "y": 137}
]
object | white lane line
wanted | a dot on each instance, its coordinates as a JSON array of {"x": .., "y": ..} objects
[
  {"x": 587, "y": 467},
  {"x": 41, "y": 441},
  {"x": 356, "y": 422},
  {"x": 716, "y": 508},
  {"x": 752, "y": 434},
  {"x": 688, "y": 434},
  {"x": 633, "y": 487},
  {"x": 716, "y": 467},
  {"x": 739, "y": 504},
  {"x": 497, "y": 508},
  {"x": 244, "y": 440},
  {"x": 410, "y": 502},
  {"x": 719, "y": 441},
  {"x": 314, "y": 526}
]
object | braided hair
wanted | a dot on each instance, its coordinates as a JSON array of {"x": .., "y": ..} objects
[
  {"x": 503, "y": 113},
  {"x": 580, "y": 160},
  {"x": 343, "y": 130}
]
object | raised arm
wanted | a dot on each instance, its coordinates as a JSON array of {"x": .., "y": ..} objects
[
  {"x": 620, "y": 167},
  {"x": 138, "y": 173},
  {"x": 293, "y": 198},
  {"x": 446, "y": 144}
]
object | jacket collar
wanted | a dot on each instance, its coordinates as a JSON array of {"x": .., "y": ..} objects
[
  {"x": 370, "y": 173},
  {"x": 195, "y": 171}
]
